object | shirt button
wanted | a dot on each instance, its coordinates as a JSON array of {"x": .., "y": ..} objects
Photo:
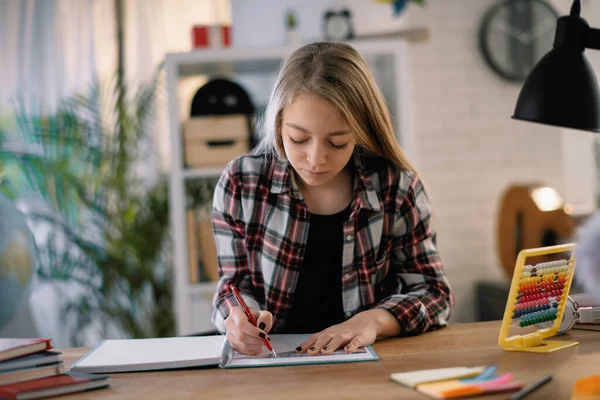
[
  {"x": 348, "y": 314},
  {"x": 348, "y": 238}
]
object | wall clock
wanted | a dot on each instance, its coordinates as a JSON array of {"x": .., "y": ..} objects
[
  {"x": 515, "y": 34},
  {"x": 337, "y": 25}
]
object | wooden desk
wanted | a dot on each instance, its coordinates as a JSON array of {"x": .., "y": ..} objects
[{"x": 457, "y": 345}]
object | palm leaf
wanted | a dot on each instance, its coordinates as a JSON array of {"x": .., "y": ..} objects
[{"x": 110, "y": 230}]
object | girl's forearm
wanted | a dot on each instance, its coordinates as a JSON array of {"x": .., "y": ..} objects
[{"x": 386, "y": 324}]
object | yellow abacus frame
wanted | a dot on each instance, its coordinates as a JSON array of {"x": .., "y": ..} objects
[{"x": 534, "y": 342}]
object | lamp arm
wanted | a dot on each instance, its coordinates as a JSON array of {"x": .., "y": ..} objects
[
  {"x": 593, "y": 39},
  {"x": 592, "y": 35}
]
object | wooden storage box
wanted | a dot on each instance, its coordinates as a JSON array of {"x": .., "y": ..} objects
[{"x": 216, "y": 140}]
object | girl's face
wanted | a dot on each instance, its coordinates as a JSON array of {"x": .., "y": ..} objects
[{"x": 316, "y": 139}]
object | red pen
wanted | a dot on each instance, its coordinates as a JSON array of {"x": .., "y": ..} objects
[{"x": 249, "y": 314}]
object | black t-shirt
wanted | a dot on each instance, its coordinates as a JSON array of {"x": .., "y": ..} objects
[{"x": 317, "y": 302}]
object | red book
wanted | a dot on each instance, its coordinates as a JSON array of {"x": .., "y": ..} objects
[
  {"x": 12, "y": 348},
  {"x": 53, "y": 386}
]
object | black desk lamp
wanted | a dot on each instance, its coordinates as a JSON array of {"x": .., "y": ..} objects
[{"x": 562, "y": 89}]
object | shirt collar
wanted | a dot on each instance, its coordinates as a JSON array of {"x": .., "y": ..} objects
[
  {"x": 282, "y": 180},
  {"x": 365, "y": 195}
]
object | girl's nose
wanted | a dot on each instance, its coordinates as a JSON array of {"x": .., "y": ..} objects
[{"x": 316, "y": 156}]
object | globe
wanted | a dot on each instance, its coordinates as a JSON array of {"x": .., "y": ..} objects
[{"x": 17, "y": 260}]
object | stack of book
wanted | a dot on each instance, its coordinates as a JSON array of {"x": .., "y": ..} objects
[{"x": 29, "y": 369}]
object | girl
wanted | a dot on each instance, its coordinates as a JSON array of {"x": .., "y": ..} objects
[{"x": 325, "y": 228}]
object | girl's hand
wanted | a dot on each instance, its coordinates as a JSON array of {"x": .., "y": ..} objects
[
  {"x": 359, "y": 331},
  {"x": 244, "y": 337}
]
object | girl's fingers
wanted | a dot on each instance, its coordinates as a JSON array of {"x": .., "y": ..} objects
[
  {"x": 245, "y": 348},
  {"x": 356, "y": 343},
  {"x": 308, "y": 343},
  {"x": 334, "y": 344},
  {"x": 264, "y": 321},
  {"x": 240, "y": 319},
  {"x": 323, "y": 339},
  {"x": 239, "y": 328},
  {"x": 245, "y": 338}
]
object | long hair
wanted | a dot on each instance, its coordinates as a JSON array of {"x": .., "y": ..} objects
[{"x": 339, "y": 74}]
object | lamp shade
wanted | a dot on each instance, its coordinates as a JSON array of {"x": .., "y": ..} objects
[{"x": 561, "y": 90}]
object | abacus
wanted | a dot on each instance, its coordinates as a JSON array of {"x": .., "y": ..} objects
[{"x": 538, "y": 294}]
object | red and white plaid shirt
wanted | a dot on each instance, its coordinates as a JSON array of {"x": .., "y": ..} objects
[{"x": 390, "y": 260}]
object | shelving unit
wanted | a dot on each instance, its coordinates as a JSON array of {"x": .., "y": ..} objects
[{"x": 256, "y": 70}]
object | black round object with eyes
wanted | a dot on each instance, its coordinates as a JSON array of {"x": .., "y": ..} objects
[{"x": 221, "y": 97}]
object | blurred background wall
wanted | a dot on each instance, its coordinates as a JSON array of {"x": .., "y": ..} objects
[{"x": 469, "y": 151}]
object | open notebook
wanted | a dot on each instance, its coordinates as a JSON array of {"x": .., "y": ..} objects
[{"x": 184, "y": 352}]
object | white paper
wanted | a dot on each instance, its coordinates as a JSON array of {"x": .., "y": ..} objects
[
  {"x": 285, "y": 347},
  {"x": 151, "y": 354},
  {"x": 287, "y": 342}
]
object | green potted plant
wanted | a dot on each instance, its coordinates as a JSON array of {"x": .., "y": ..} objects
[
  {"x": 109, "y": 241},
  {"x": 291, "y": 28},
  {"x": 78, "y": 172}
]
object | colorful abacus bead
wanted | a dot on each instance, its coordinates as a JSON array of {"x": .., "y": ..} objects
[{"x": 537, "y": 317}]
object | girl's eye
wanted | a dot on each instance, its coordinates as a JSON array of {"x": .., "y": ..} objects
[
  {"x": 297, "y": 141},
  {"x": 339, "y": 146},
  {"x": 336, "y": 146}
]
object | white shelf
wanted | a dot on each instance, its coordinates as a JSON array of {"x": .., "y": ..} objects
[
  {"x": 238, "y": 61},
  {"x": 260, "y": 60},
  {"x": 388, "y": 61},
  {"x": 202, "y": 173}
]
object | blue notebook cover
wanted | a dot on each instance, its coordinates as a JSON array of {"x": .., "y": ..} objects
[{"x": 285, "y": 347}]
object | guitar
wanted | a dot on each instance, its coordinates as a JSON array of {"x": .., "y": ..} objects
[{"x": 531, "y": 216}]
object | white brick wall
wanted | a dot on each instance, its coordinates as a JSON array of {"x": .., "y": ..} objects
[{"x": 470, "y": 150}]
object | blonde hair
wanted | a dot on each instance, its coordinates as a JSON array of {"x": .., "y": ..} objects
[{"x": 339, "y": 74}]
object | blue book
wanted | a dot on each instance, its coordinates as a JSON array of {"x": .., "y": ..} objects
[{"x": 30, "y": 361}]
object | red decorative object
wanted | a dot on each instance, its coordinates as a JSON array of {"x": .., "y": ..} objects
[{"x": 204, "y": 36}]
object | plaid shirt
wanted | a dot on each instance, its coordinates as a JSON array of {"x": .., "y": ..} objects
[{"x": 390, "y": 260}]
